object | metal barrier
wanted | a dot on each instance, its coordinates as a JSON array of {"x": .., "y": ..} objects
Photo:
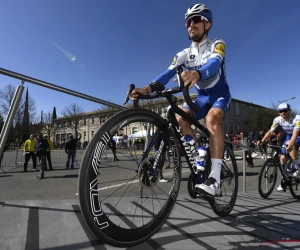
[
  {"x": 245, "y": 148},
  {"x": 16, "y": 158},
  {"x": 18, "y": 94}
]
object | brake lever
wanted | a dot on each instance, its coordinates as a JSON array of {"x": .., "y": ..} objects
[{"x": 131, "y": 88}]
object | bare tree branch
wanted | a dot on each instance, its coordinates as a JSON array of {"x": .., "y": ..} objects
[{"x": 74, "y": 114}]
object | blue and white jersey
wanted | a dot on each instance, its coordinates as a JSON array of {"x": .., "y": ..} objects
[
  {"x": 287, "y": 126},
  {"x": 209, "y": 58}
]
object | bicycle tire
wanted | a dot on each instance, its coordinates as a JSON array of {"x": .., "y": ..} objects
[
  {"x": 220, "y": 207},
  {"x": 262, "y": 176},
  {"x": 295, "y": 183},
  {"x": 93, "y": 210}
]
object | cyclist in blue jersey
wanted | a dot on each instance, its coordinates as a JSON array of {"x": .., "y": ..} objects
[
  {"x": 291, "y": 125},
  {"x": 204, "y": 62}
]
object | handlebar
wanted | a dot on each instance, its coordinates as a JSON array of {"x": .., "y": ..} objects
[{"x": 163, "y": 91}]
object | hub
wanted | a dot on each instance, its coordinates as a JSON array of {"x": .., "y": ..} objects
[{"x": 146, "y": 174}]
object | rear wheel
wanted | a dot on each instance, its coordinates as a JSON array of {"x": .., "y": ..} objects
[
  {"x": 267, "y": 178},
  {"x": 223, "y": 204},
  {"x": 295, "y": 187},
  {"x": 124, "y": 202}
]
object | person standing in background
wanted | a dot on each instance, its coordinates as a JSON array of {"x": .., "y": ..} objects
[
  {"x": 70, "y": 149},
  {"x": 41, "y": 147},
  {"x": 50, "y": 143},
  {"x": 29, "y": 147}
]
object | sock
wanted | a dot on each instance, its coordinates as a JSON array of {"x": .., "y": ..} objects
[{"x": 216, "y": 165}]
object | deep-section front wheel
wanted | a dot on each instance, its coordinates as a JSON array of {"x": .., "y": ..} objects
[
  {"x": 124, "y": 202},
  {"x": 267, "y": 178},
  {"x": 222, "y": 205}
]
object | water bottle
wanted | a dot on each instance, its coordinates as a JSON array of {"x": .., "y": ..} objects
[
  {"x": 200, "y": 160},
  {"x": 191, "y": 142},
  {"x": 292, "y": 168}
]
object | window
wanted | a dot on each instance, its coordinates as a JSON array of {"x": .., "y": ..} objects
[
  {"x": 63, "y": 137},
  {"x": 69, "y": 124},
  {"x": 231, "y": 127},
  {"x": 84, "y": 121},
  {"x": 134, "y": 130},
  {"x": 237, "y": 108},
  {"x": 58, "y": 125},
  {"x": 251, "y": 111},
  {"x": 93, "y": 120},
  {"x": 246, "y": 128},
  {"x": 239, "y": 127},
  {"x": 244, "y": 110},
  {"x": 84, "y": 135},
  {"x": 57, "y": 138},
  {"x": 92, "y": 133}
]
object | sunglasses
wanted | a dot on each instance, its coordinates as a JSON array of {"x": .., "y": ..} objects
[
  {"x": 195, "y": 19},
  {"x": 283, "y": 111}
]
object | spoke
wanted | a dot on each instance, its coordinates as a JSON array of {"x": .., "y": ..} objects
[{"x": 122, "y": 185}]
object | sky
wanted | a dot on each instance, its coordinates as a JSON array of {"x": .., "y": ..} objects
[{"x": 100, "y": 47}]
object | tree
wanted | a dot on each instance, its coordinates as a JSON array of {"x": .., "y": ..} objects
[
  {"x": 54, "y": 116},
  {"x": 6, "y": 97},
  {"x": 262, "y": 120},
  {"x": 73, "y": 113},
  {"x": 47, "y": 125}
]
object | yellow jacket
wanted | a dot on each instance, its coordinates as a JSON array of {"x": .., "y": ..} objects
[
  {"x": 29, "y": 145},
  {"x": 50, "y": 145}
]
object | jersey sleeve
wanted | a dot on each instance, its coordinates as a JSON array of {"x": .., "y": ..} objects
[
  {"x": 165, "y": 77},
  {"x": 296, "y": 122},
  {"x": 275, "y": 124},
  {"x": 217, "y": 57},
  {"x": 218, "y": 49}
]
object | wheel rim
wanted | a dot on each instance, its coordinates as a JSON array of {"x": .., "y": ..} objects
[{"x": 120, "y": 206}]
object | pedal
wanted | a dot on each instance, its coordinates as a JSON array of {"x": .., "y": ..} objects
[{"x": 203, "y": 195}]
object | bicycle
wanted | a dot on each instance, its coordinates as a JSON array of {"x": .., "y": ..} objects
[
  {"x": 269, "y": 179},
  {"x": 126, "y": 212}
]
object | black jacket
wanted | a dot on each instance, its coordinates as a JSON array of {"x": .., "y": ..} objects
[
  {"x": 41, "y": 147},
  {"x": 71, "y": 144}
]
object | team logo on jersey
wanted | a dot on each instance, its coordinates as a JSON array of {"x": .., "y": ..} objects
[
  {"x": 174, "y": 60},
  {"x": 220, "y": 48},
  {"x": 192, "y": 56}
]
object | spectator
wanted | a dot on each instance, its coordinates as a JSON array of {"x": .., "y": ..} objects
[
  {"x": 251, "y": 138},
  {"x": 262, "y": 147},
  {"x": 245, "y": 141},
  {"x": 229, "y": 138},
  {"x": 113, "y": 147},
  {"x": 50, "y": 143},
  {"x": 70, "y": 149},
  {"x": 41, "y": 147},
  {"x": 29, "y": 147}
]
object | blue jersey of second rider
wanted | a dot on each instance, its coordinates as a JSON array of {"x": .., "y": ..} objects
[{"x": 209, "y": 58}]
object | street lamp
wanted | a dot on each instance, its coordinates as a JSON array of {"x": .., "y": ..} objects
[{"x": 287, "y": 99}]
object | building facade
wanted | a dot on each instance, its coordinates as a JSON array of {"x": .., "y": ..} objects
[{"x": 90, "y": 122}]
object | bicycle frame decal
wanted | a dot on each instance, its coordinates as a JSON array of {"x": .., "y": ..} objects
[
  {"x": 94, "y": 199},
  {"x": 186, "y": 147},
  {"x": 158, "y": 154},
  {"x": 173, "y": 192}
]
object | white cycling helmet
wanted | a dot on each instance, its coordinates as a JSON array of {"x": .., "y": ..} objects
[{"x": 199, "y": 9}]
